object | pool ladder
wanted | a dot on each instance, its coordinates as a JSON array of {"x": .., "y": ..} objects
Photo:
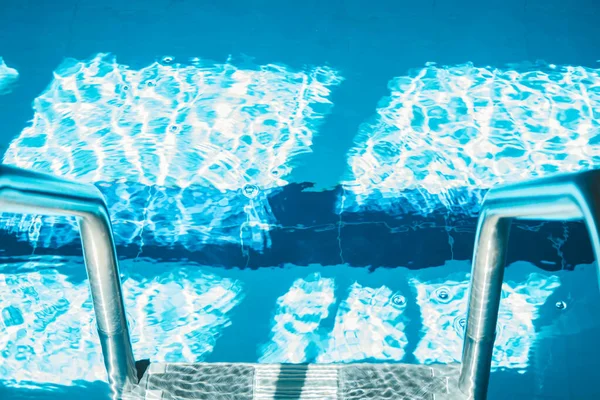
[{"x": 564, "y": 197}]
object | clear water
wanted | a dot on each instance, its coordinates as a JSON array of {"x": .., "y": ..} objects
[{"x": 309, "y": 198}]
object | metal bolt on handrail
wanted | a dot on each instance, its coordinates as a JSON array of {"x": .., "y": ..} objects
[
  {"x": 26, "y": 192},
  {"x": 564, "y": 197}
]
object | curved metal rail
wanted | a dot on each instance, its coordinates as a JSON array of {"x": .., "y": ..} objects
[
  {"x": 27, "y": 192},
  {"x": 564, "y": 197}
]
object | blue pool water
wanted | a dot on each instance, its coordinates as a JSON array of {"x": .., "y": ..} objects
[{"x": 298, "y": 183}]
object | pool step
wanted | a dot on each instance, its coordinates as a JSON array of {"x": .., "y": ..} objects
[{"x": 224, "y": 381}]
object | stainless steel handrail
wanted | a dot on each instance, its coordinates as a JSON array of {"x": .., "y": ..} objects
[
  {"x": 26, "y": 192},
  {"x": 563, "y": 197}
]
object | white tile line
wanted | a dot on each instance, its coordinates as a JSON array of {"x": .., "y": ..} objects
[
  {"x": 157, "y": 368},
  {"x": 153, "y": 394}
]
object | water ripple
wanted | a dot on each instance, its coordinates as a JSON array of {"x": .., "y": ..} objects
[
  {"x": 178, "y": 311},
  {"x": 444, "y": 319},
  {"x": 444, "y": 131},
  {"x": 298, "y": 316},
  {"x": 370, "y": 323},
  {"x": 156, "y": 132},
  {"x": 48, "y": 329}
]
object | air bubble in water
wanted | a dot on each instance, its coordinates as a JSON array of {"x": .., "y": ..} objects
[
  {"x": 167, "y": 59},
  {"x": 250, "y": 191},
  {"x": 398, "y": 300},
  {"x": 561, "y": 305},
  {"x": 174, "y": 128},
  {"x": 443, "y": 294},
  {"x": 459, "y": 325}
]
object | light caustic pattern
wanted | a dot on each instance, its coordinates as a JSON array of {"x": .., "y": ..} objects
[
  {"x": 371, "y": 323},
  {"x": 8, "y": 77},
  {"x": 48, "y": 330},
  {"x": 297, "y": 319},
  {"x": 446, "y": 132},
  {"x": 444, "y": 306},
  {"x": 212, "y": 135}
]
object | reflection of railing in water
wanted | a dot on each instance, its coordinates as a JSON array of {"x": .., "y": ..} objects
[
  {"x": 27, "y": 192},
  {"x": 564, "y": 197}
]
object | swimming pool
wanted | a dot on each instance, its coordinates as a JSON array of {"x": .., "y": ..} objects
[{"x": 294, "y": 206}]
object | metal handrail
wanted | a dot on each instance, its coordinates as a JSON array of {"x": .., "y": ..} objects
[
  {"x": 26, "y": 192},
  {"x": 563, "y": 197}
]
